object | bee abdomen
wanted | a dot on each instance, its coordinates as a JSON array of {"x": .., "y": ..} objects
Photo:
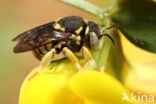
[{"x": 41, "y": 51}]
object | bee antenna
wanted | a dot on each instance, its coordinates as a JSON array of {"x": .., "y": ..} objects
[
  {"x": 112, "y": 26},
  {"x": 108, "y": 37}
]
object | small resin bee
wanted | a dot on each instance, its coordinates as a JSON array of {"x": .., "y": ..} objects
[{"x": 68, "y": 35}]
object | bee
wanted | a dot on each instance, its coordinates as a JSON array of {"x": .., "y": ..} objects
[{"x": 67, "y": 36}]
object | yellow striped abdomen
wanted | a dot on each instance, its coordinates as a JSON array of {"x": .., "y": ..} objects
[{"x": 41, "y": 51}]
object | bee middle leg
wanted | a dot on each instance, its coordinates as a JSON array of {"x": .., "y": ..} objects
[
  {"x": 44, "y": 62},
  {"x": 72, "y": 57},
  {"x": 88, "y": 55}
]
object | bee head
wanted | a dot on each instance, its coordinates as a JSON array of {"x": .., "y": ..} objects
[{"x": 93, "y": 36}]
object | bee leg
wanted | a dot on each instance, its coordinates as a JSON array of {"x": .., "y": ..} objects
[
  {"x": 90, "y": 58},
  {"x": 44, "y": 62},
  {"x": 72, "y": 57},
  {"x": 47, "y": 58}
]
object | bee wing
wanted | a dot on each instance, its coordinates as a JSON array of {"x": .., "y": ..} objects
[{"x": 38, "y": 37}]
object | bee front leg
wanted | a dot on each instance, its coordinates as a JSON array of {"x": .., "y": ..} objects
[
  {"x": 44, "y": 62},
  {"x": 88, "y": 55},
  {"x": 72, "y": 57}
]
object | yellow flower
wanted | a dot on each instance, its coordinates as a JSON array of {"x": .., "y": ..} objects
[
  {"x": 65, "y": 85},
  {"x": 142, "y": 77}
]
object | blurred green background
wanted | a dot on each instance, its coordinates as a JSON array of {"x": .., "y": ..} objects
[{"x": 17, "y": 16}]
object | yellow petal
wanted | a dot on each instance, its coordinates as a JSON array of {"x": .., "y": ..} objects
[
  {"x": 142, "y": 78},
  {"x": 47, "y": 88},
  {"x": 57, "y": 86},
  {"x": 98, "y": 88},
  {"x": 67, "y": 68}
]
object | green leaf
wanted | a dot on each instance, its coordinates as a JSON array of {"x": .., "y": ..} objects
[{"x": 137, "y": 21}]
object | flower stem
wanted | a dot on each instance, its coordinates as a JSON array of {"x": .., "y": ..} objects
[
  {"x": 91, "y": 8},
  {"x": 102, "y": 55}
]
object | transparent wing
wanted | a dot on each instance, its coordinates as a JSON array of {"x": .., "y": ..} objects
[{"x": 38, "y": 37}]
